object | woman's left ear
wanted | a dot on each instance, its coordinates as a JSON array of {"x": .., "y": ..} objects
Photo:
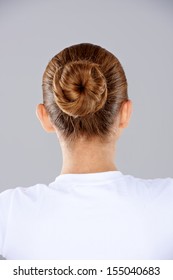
[{"x": 44, "y": 119}]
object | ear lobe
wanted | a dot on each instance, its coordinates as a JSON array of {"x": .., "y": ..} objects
[{"x": 44, "y": 118}]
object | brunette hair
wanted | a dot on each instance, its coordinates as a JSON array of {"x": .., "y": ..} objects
[{"x": 84, "y": 87}]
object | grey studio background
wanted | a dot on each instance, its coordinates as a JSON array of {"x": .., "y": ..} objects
[{"x": 138, "y": 32}]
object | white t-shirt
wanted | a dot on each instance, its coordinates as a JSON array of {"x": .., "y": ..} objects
[{"x": 105, "y": 215}]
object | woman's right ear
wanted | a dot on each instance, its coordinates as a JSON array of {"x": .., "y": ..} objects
[
  {"x": 125, "y": 114},
  {"x": 44, "y": 119}
]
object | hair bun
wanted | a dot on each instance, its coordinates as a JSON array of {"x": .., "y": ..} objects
[{"x": 80, "y": 88}]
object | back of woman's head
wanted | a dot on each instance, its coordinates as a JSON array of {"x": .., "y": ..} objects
[{"x": 84, "y": 87}]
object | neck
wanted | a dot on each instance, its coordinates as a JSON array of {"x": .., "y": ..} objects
[{"x": 89, "y": 157}]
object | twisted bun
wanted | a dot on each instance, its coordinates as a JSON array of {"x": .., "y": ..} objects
[{"x": 79, "y": 88}]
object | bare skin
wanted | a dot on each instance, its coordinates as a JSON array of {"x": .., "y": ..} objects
[{"x": 89, "y": 156}]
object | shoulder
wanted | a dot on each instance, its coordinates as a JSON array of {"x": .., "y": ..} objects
[
  {"x": 152, "y": 187},
  {"x": 168, "y": 181},
  {"x": 16, "y": 194},
  {"x": 5, "y": 198}
]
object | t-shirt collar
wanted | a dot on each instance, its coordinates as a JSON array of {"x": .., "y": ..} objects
[{"x": 88, "y": 177}]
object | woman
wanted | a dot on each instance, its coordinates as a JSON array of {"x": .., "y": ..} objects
[{"x": 92, "y": 210}]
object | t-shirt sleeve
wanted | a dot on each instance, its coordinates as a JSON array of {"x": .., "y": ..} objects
[{"x": 5, "y": 205}]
